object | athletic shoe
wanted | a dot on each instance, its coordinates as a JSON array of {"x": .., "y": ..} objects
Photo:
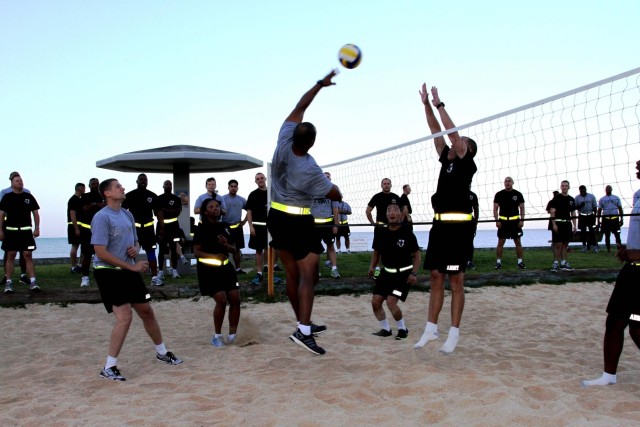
[
  {"x": 33, "y": 286},
  {"x": 240, "y": 271},
  {"x": 498, "y": 266},
  {"x": 317, "y": 329},
  {"x": 168, "y": 358},
  {"x": 584, "y": 249},
  {"x": 161, "y": 273},
  {"x": 112, "y": 373},
  {"x": 306, "y": 341},
  {"x": 8, "y": 288},
  {"x": 521, "y": 266},
  {"x": 382, "y": 333},
  {"x": 76, "y": 270},
  {"x": 327, "y": 264},
  {"x": 85, "y": 282},
  {"x": 217, "y": 342},
  {"x": 175, "y": 275},
  {"x": 277, "y": 280},
  {"x": 157, "y": 281},
  {"x": 402, "y": 334},
  {"x": 566, "y": 267},
  {"x": 277, "y": 268},
  {"x": 335, "y": 274},
  {"x": 471, "y": 265},
  {"x": 596, "y": 250},
  {"x": 24, "y": 279},
  {"x": 257, "y": 280},
  {"x": 554, "y": 267},
  {"x": 376, "y": 273},
  {"x": 230, "y": 339},
  {"x": 184, "y": 260},
  {"x": 265, "y": 269}
]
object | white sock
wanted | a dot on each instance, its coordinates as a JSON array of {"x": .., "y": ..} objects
[
  {"x": 111, "y": 362},
  {"x": 334, "y": 268},
  {"x": 452, "y": 340},
  {"x": 519, "y": 260},
  {"x": 499, "y": 260},
  {"x": 384, "y": 324},
  {"x": 605, "y": 379},
  {"x": 563, "y": 262},
  {"x": 231, "y": 337},
  {"x": 217, "y": 335},
  {"x": 401, "y": 324},
  {"x": 33, "y": 279},
  {"x": 161, "y": 349},
  {"x": 305, "y": 329},
  {"x": 430, "y": 333}
]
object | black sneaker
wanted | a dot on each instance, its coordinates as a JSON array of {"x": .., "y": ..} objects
[
  {"x": 318, "y": 329},
  {"x": 306, "y": 341},
  {"x": 471, "y": 265},
  {"x": 498, "y": 266},
  {"x": 265, "y": 269},
  {"x": 112, "y": 373},
  {"x": 169, "y": 358},
  {"x": 521, "y": 266},
  {"x": 277, "y": 268},
  {"x": 24, "y": 279},
  {"x": 240, "y": 271},
  {"x": 76, "y": 270},
  {"x": 383, "y": 333},
  {"x": 402, "y": 334}
]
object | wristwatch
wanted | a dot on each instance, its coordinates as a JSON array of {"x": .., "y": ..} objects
[{"x": 414, "y": 274}]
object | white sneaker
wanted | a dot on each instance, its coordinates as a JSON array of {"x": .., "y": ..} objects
[
  {"x": 157, "y": 281},
  {"x": 174, "y": 274},
  {"x": 85, "y": 282},
  {"x": 161, "y": 273},
  {"x": 184, "y": 260}
]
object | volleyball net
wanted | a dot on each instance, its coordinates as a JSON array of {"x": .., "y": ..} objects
[{"x": 589, "y": 136}]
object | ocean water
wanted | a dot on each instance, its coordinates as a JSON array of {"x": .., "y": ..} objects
[{"x": 57, "y": 247}]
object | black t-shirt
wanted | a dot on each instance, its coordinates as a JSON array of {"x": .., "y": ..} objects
[
  {"x": 452, "y": 193},
  {"x": 404, "y": 201},
  {"x": 509, "y": 202},
  {"x": 564, "y": 206},
  {"x": 86, "y": 216},
  {"x": 17, "y": 208},
  {"x": 396, "y": 246},
  {"x": 168, "y": 203},
  {"x": 74, "y": 204},
  {"x": 257, "y": 204},
  {"x": 142, "y": 204},
  {"x": 381, "y": 201},
  {"x": 206, "y": 235}
]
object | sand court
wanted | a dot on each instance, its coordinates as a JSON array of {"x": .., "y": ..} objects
[{"x": 522, "y": 354}]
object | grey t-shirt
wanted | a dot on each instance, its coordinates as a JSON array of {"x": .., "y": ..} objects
[
  {"x": 206, "y": 196},
  {"x": 116, "y": 230},
  {"x": 590, "y": 203},
  {"x": 235, "y": 205},
  {"x": 295, "y": 180}
]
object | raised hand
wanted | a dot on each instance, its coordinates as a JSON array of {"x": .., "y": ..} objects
[{"x": 436, "y": 98}]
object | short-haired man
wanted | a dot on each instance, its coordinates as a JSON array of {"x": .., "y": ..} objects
[
  {"x": 17, "y": 232},
  {"x": 563, "y": 226},
  {"x": 73, "y": 229},
  {"x": 587, "y": 208},
  {"x": 91, "y": 203},
  {"x": 406, "y": 205},
  {"x": 344, "y": 231},
  {"x": 451, "y": 235},
  {"x": 396, "y": 247},
  {"x": 610, "y": 216},
  {"x": 380, "y": 201},
  {"x": 23, "y": 266},
  {"x": 235, "y": 205},
  {"x": 296, "y": 181},
  {"x": 119, "y": 279},
  {"x": 508, "y": 211},
  {"x": 624, "y": 305},
  {"x": 327, "y": 219},
  {"x": 168, "y": 231},
  {"x": 211, "y": 193}
]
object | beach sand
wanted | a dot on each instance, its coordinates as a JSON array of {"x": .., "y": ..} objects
[{"x": 522, "y": 354}]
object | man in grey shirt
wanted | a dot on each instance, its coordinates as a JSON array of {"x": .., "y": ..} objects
[
  {"x": 235, "y": 204},
  {"x": 587, "y": 208},
  {"x": 296, "y": 181}
]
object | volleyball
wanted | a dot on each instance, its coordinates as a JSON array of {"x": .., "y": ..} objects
[{"x": 350, "y": 56}]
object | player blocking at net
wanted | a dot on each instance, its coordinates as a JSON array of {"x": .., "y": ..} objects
[{"x": 451, "y": 235}]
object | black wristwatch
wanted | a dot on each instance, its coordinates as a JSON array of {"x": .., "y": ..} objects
[
  {"x": 414, "y": 274},
  {"x": 440, "y": 105}
]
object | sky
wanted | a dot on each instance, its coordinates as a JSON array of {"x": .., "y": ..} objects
[{"x": 81, "y": 81}]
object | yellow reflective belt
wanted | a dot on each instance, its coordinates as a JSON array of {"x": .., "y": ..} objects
[
  {"x": 610, "y": 217},
  {"x": 398, "y": 270},
  {"x": 586, "y": 214},
  {"x": 176, "y": 239},
  {"x": 453, "y": 217},
  {"x": 148, "y": 224},
  {"x": 213, "y": 261},
  {"x": 322, "y": 220},
  {"x": 70, "y": 223},
  {"x": 509, "y": 218},
  {"x": 82, "y": 224},
  {"x": 18, "y": 228},
  {"x": 293, "y": 210},
  {"x": 170, "y": 220},
  {"x": 346, "y": 221},
  {"x": 104, "y": 267},
  {"x": 235, "y": 225},
  {"x": 560, "y": 220},
  {"x": 259, "y": 223}
]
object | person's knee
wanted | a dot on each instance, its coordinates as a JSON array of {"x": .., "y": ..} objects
[{"x": 376, "y": 302}]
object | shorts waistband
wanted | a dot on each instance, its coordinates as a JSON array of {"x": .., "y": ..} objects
[
  {"x": 293, "y": 210},
  {"x": 213, "y": 261},
  {"x": 453, "y": 217},
  {"x": 398, "y": 270}
]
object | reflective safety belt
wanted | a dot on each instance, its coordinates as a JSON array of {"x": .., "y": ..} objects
[
  {"x": 293, "y": 210},
  {"x": 346, "y": 221},
  {"x": 82, "y": 224},
  {"x": 398, "y": 270},
  {"x": 18, "y": 228},
  {"x": 453, "y": 217},
  {"x": 170, "y": 220},
  {"x": 234, "y": 225},
  {"x": 322, "y": 220},
  {"x": 104, "y": 267},
  {"x": 148, "y": 224},
  {"x": 259, "y": 223},
  {"x": 509, "y": 218},
  {"x": 213, "y": 261}
]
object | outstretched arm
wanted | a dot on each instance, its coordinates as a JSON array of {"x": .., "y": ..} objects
[
  {"x": 458, "y": 145},
  {"x": 434, "y": 125},
  {"x": 297, "y": 114}
]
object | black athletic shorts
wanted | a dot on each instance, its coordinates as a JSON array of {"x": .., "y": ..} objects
[
  {"x": 146, "y": 238},
  {"x": 259, "y": 242},
  {"x": 450, "y": 244},
  {"x": 392, "y": 284},
  {"x": 237, "y": 236},
  {"x": 72, "y": 239},
  {"x": 118, "y": 287},
  {"x": 564, "y": 234},
  {"x": 325, "y": 233},
  {"x": 585, "y": 221},
  {"x": 344, "y": 231},
  {"x": 509, "y": 229},
  {"x": 610, "y": 225},
  {"x": 86, "y": 248},
  {"x": 625, "y": 298},
  {"x": 18, "y": 240},
  {"x": 213, "y": 279},
  {"x": 293, "y": 233}
]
